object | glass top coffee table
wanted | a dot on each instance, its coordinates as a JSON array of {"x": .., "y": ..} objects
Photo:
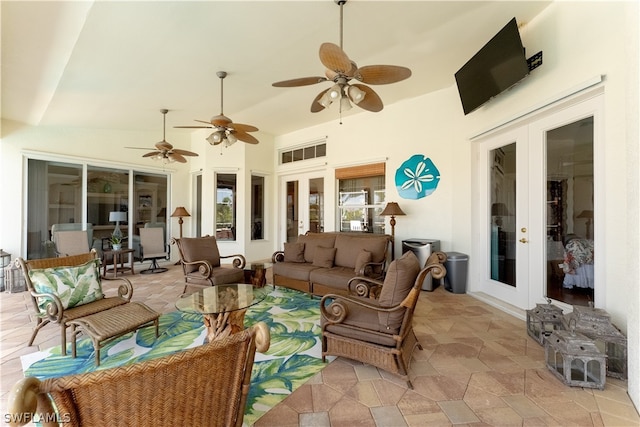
[{"x": 223, "y": 306}]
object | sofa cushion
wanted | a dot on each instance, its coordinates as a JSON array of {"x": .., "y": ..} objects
[
  {"x": 74, "y": 286},
  {"x": 362, "y": 259},
  {"x": 398, "y": 282},
  {"x": 294, "y": 270},
  {"x": 313, "y": 240},
  {"x": 200, "y": 249},
  {"x": 348, "y": 248},
  {"x": 336, "y": 277},
  {"x": 294, "y": 252},
  {"x": 323, "y": 257}
]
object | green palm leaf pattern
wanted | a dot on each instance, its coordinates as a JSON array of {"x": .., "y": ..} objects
[{"x": 294, "y": 355}]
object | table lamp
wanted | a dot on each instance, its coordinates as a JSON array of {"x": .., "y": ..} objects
[
  {"x": 116, "y": 217},
  {"x": 392, "y": 209},
  {"x": 180, "y": 212}
]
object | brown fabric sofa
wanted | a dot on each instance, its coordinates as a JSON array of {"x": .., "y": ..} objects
[{"x": 321, "y": 263}]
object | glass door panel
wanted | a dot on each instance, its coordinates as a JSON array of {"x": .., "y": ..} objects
[
  {"x": 304, "y": 203},
  {"x": 569, "y": 213},
  {"x": 503, "y": 208},
  {"x": 293, "y": 210}
]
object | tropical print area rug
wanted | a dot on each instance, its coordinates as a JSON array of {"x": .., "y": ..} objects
[{"x": 293, "y": 357}]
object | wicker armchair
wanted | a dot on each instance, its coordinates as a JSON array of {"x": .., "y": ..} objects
[
  {"x": 379, "y": 331},
  {"x": 200, "y": 259},
  {"x": 202, "y": 386},
  {"x": 50, "y": 308}
]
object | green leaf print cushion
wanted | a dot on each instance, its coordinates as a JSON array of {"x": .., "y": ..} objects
[{"x": 73, "y": 285}]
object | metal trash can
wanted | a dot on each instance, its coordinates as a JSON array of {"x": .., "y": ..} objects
[{"x": 457, "y": 265}]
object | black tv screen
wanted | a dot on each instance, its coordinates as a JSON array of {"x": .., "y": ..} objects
[{"x": 496, "y": 67}]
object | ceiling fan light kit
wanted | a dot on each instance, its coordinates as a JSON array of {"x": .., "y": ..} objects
[
  {"x": 341, "y": 70},
  {"x": 163, "y": 150},
  {"x": 225, "y": 132}
]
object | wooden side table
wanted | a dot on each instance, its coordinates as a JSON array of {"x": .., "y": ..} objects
[{"x": 117, "y": 260}]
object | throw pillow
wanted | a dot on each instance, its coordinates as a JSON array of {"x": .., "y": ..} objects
[
  {"x": 294, "y": 252},
  {"x": 323, "y": 257},
  {"x": 363, "y": 258},
  {"x": 74, "y": 286},
  {"x": 398, "y": 282}
]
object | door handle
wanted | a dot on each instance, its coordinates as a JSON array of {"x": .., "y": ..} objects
[{"x": 524, "y": 240}]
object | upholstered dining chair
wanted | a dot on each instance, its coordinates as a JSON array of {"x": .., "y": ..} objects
[
  {"x": 200, "y": 259},
  {"x": 204, "y": 386},
  {"x": 378, "y": 331},
  {"x": 152, "y": 247}
]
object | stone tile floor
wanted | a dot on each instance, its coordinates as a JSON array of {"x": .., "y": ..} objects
[{"x": 478, "y": 367}]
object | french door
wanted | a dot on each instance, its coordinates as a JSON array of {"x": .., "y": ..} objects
[
  {"x": 537, "y": 217},
  {"x": 303, "y": 205}
]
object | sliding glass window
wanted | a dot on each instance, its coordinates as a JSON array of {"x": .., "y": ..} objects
[{"x": 56, "y": 201}]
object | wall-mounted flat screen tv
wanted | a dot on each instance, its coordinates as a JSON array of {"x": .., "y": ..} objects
[{"x": 496, "y": 67}]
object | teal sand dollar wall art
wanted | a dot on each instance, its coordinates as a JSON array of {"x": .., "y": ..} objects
[{"x": 417, "y": 177}]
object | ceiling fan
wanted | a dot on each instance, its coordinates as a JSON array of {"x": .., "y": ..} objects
[
  {"x": 165, "y": 151},
  {"x": 225, "y": 131},
  {"x": 341, "y": 70}
]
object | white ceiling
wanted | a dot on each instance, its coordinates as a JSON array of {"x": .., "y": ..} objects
[{"x": 114, "y": 65}]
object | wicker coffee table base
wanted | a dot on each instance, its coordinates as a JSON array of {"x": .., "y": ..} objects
[{"x": 113, "y": 323}]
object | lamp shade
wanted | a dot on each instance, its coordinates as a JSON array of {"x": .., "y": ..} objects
[
  {"x": 117, "y": 216},
  {"x": 180, "y": 212},
  {"x": 392, "y": 208}
]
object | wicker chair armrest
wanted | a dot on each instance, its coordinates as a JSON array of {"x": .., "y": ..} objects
[
  {"x": 363, "y": 286},
  {"x": 204, "y": 267},
  {"x": 337, "y": 310},
  {"x": 374, "y": 270},
  {"x": 53, "y": 306},
  {"x": 23, "y": 405},
  {"x": 239, "y": 261},
  {"x": 278, "y": 256},
  {"x": 442, "y": 256},
  {"x": 125, "y": 289}
]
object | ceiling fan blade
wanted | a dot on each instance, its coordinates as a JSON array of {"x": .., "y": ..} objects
[
  {"x": 245, "y": 137},
  {"x": 193, "y": 127},
  {"x": 177, "y": 157},
  {"x": 315, "y": 105},
  {"x": 334, "y": 58},
  {"x": 371, "y": 101},
  {"x": 151, "y": 154},
  {"x": 163, "y": 146},
  {"x": 382, "y": 74},
  {"x": 302, "y": 81},
  {"x": 243, "y": 128},
  {"x": 184, "y": 152},
  {"x": 140, "y": 148},
  {"x": 202, "y": 121}
]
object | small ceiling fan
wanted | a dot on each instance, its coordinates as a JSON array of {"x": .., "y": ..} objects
[
  {"x": 341, "y": 70},
  {"x": 165, "y": 151},
  {"x": 225, "y": 131}
]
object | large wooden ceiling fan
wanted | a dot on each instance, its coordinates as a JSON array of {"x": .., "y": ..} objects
[
  {"x": 341, "y": 70},
  {"x": 164, "y": 151},
  {"x": 225, "y": 131}
]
